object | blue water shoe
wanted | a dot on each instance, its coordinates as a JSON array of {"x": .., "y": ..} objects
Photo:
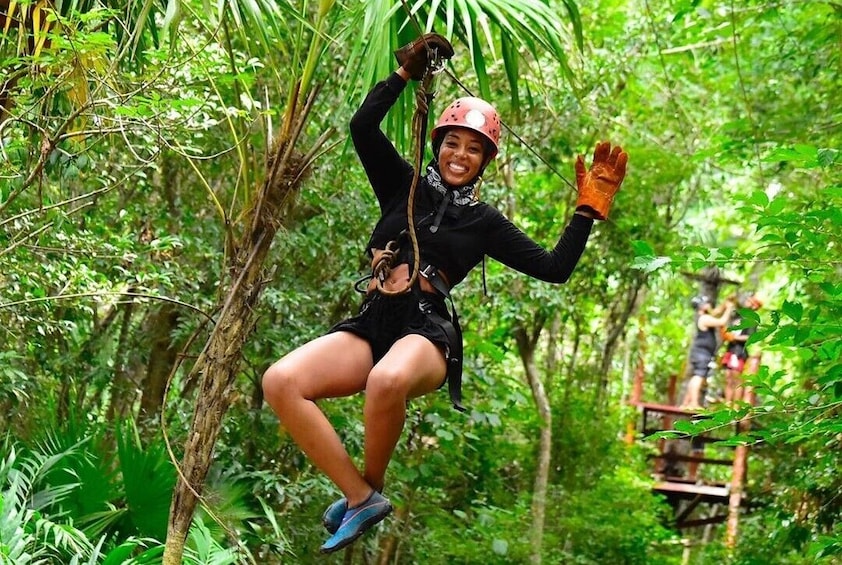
[
  {"x": 332, "y": 518},
  {"x": 357, "y": 521}
]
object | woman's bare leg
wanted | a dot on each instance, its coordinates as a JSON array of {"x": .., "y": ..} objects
[
  {"x": 330, "y": 366},
  {"x": 693, "y": 394},
  {"x": 413, "y": 366}
]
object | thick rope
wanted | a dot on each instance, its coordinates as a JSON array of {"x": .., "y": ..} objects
[{"x": 383, "y": 267}]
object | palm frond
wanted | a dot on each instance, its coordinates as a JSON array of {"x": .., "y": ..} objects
[
  {"x": 275, "y": 536},
  {"x": 266, "y": 27},
  {"x": 62, "y": 537},
  {"x": 39, "y": 467},
  {"x": 133, "y": 551},
  {"x": 98, "y": 523},
  {"x": 16, "y": 538},
  {"x": 148, "y": 480},
  {"x": 87, "y": 475},
  {"x": 531, "y": 26},
  {"x": 25, "y": 533},
  {"x": 227, "y": 502},
  {"x": 203, "y": 549},
  {"x": 498, "y": 34}
]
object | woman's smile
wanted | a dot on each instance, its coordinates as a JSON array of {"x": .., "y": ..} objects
[{"x": 461, "y": 156}]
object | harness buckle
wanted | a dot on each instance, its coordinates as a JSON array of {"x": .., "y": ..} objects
[
  {"x": 431, "y": 273},
  {"x": 428, "y": 272}
]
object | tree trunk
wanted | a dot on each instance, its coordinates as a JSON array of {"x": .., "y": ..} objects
[
  {"x": 618, "y": 318},
  {"x": 569, "y": 381},
  {"x": 218, "y": 364},
  {"x": 163, "y": 353},
  {"x": 388, "y": 549},
  {"x": 526, "y": 347},
  {"x": 81, "y": 362}
]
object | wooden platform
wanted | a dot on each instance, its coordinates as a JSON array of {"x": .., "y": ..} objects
[
  {"x": 687, "y": 498},
  {"x": 695, "y": 503},
  {"x": 666, "y": 409},
  {"x": 665, "y": 414},
  {"x": 691, "y": 459},
  {"x": 679, "y": 462},
  {"x": 686, "y": 491},
  {"x": 684, "y": 480}
]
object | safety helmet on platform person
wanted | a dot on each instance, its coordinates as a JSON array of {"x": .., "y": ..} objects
[
  {"x": 701, "y": 302},
  {"x": 754, "y": 302}
]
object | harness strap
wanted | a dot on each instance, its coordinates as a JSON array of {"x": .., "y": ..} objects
[
  {"x": 440, "y": 213},
  {"x": 453, "y": 332},
  {"x": 454, "y": 361}
]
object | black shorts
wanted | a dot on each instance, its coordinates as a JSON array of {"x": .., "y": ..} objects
[
  {"x": 382, "y": 320},
  {"x": 700, "y": 362}
]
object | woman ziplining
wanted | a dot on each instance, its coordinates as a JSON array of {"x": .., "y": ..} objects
[{"x": 404, "y": 342}]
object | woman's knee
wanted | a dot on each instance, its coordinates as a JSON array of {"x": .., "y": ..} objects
[
  {"x": 279, "y": 382},
  {"x": 387, "y": 383}
]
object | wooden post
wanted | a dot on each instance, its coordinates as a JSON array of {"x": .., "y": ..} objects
[
  {"x": 666, "y": 424},
  {"x": 738, "y": 471},
  {"x": 637, "y": 386},
  {"x": 671, "y": 387}
]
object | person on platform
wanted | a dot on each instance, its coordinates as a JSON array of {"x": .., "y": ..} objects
[
  {"x": 736, "y": 352},
  {"x": 709, "y": 320}
]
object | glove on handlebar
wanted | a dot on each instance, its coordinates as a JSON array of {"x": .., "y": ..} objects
[
  {"x": 414, "y": 57},
  {"x": 598, "y": 185}
]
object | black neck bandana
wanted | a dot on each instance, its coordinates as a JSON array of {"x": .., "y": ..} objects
[{"x": 460, "y": 196}]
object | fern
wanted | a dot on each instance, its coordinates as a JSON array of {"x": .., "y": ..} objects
[
  {"x": 17, "y": 544},
  {"x": 27, "y": 536},
  {"x": 203, "y": 549}
]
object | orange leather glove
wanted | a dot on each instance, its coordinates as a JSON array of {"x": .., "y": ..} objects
[
  {"x": 598, "y": 185},
  {"x": 414, "y": 57}
]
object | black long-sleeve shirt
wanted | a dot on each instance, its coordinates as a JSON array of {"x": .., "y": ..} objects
[{"x": 467, "y": 232}]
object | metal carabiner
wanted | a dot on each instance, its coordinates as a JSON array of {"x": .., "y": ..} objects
[{"x": 435, "y": 64}]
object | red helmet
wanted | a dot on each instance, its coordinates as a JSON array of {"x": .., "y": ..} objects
[
  {"x": 472, "y": 113},
  {"x": 754, "y": 302}
]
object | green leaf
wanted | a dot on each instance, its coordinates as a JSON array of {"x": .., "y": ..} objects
[
  {"x": 805, "y": 156},
  {"x": 758, "y": 198},
  {"x": 776, "y": 206},
  {"x": 666, "y": 434},
  {"x": 828, "y": 157},
  {"x": 649, "y": 264},
  {"x": 500, "y": 546},
  {"x": 642, "y": 248},
  {"x": 759, "y": 335},
  {"x": 793, "y": 310},
  {"x": 121, "y": 553},
  {"x": 748, "y": 319}
]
